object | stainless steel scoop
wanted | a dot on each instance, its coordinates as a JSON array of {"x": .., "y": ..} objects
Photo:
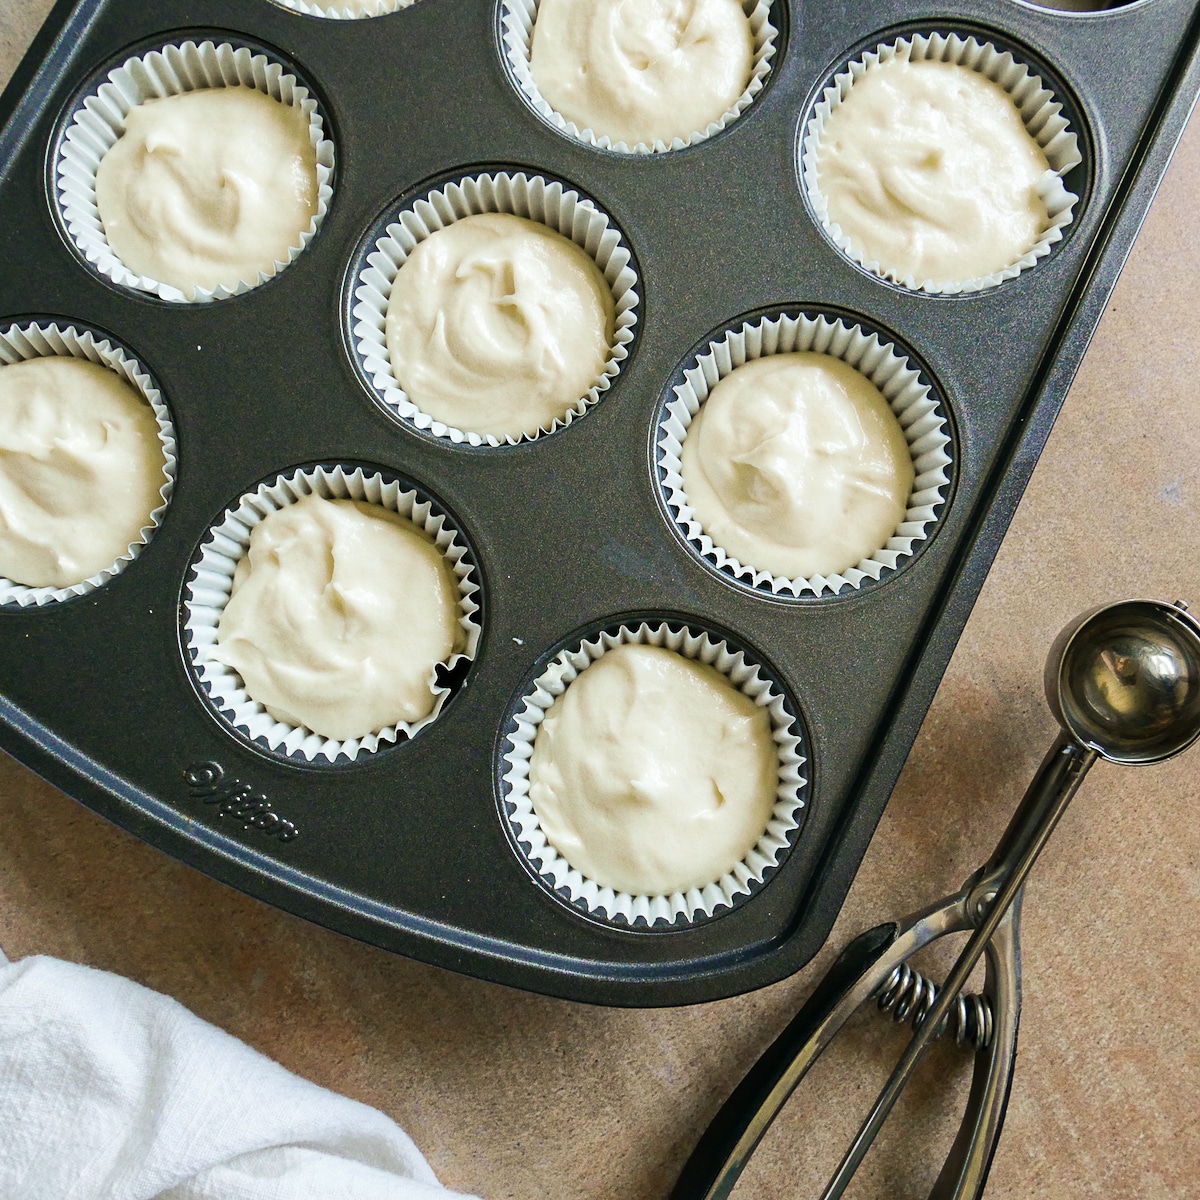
[{"x": 1123, "y": 681}]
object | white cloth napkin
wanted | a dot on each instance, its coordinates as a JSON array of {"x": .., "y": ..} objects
[{"x": 110, "y": 1091}]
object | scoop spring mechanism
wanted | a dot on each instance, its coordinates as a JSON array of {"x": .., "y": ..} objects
[{"x": 908, "y": 996}]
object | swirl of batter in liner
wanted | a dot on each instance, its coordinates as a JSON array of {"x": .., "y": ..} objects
[
  {"x": 81, "y": 468},
  {"x": 497, "y": 325},
  {"x": 796, "y": 465},
  {"x": 340, "y": 613},
  {"x": 929, "y": 171},
  {"x": 205, "y": 189},
  {"x": 652, "y": 774},
  {"x": 641, "y": 71}
]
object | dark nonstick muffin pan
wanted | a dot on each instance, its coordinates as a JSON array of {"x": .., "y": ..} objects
[{"x": 409, "y": 847}]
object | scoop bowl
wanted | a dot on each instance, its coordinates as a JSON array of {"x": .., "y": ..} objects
[{"x": 1124, "y": 680}]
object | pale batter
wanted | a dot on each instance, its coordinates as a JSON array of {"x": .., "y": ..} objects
[
  {"x": 81, "y": 466},
  {"x": 642, "y": 70},
  {"x": 208, "y": 188},
  {"x": 498, "y": 325},
  {"x": 796, "y": 465},
  {"x": 929, "y": 170},
  {"x": 339, "y": 615},
  {"x": 652, "y": 773}
]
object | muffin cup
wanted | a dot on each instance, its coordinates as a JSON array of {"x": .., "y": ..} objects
[
  {"x": 678, "y": 908},
  {"x": 517, "y": 19},
  {"x": 1040, "y": 111},
  {"x": 333, "y": 12},
  {"x": 211, "y": 581},
  {"x": 19, "y": 343},
  {"x": 920, "y": 415},
  {"x": 546, "y": 201},
  {"x": 98, "y": 121}
]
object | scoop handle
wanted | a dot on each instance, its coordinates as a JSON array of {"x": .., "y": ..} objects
[
  {"x": 989, "y": 899},
  {"x": 725, "y": 1147},
  {"x": 1045, "y": 800},
  {"x": 965, "y": 1172}
]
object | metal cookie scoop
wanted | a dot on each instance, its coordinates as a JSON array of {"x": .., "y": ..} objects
[{"x": 1123, "y": 680}]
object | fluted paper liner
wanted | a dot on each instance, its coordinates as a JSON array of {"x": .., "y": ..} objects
[
  {"x": 1040, "y": 111},
  {"x": 210, "y": 584},
  {"x": 19, "y": 343},
  {"x": 98, "y": 121},
  {"x": 531, "y": 196},
  {"x": 334, "y": 12},
  {"x": 677, "y": 908},
  {"x": 912, "y": 402},
  {"x": 517, "y": 18}
]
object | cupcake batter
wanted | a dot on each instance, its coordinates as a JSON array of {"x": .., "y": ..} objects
[
  {"x": 339, "y": 615},
  {"x": 208, "y": 188},
  {"x": 498, "y": 325},
  {"x": 796, "y": 465},
  {"x": 652, "y": 773},
  {"x": 929, "y": 171},
  {"x": 80, "y": 470},
  {"x": 642, "y": 70}
]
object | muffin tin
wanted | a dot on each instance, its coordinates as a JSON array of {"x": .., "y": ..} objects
[{"x": 411, "y": 847}]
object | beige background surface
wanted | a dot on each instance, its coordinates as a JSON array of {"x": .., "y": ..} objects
[{"x": 518, "y": 1096}]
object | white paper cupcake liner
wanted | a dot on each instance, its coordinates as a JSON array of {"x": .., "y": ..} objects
[
  {"x": 334, "y": 12},
  {"x": 679, "y": 907},
  {"x": 1039, "y": 109},
  {"x": 533, "y": 197},
  {"x": 517, "y": 19},
  {"x": 18, "y": 343},
  {"x": 210, "y": 584},
  {"x": 920, "y": 415},
  {"x": 99, "y": 121}
]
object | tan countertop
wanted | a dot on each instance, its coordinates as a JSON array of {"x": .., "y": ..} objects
[{"x": 518, "y": 1096}]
